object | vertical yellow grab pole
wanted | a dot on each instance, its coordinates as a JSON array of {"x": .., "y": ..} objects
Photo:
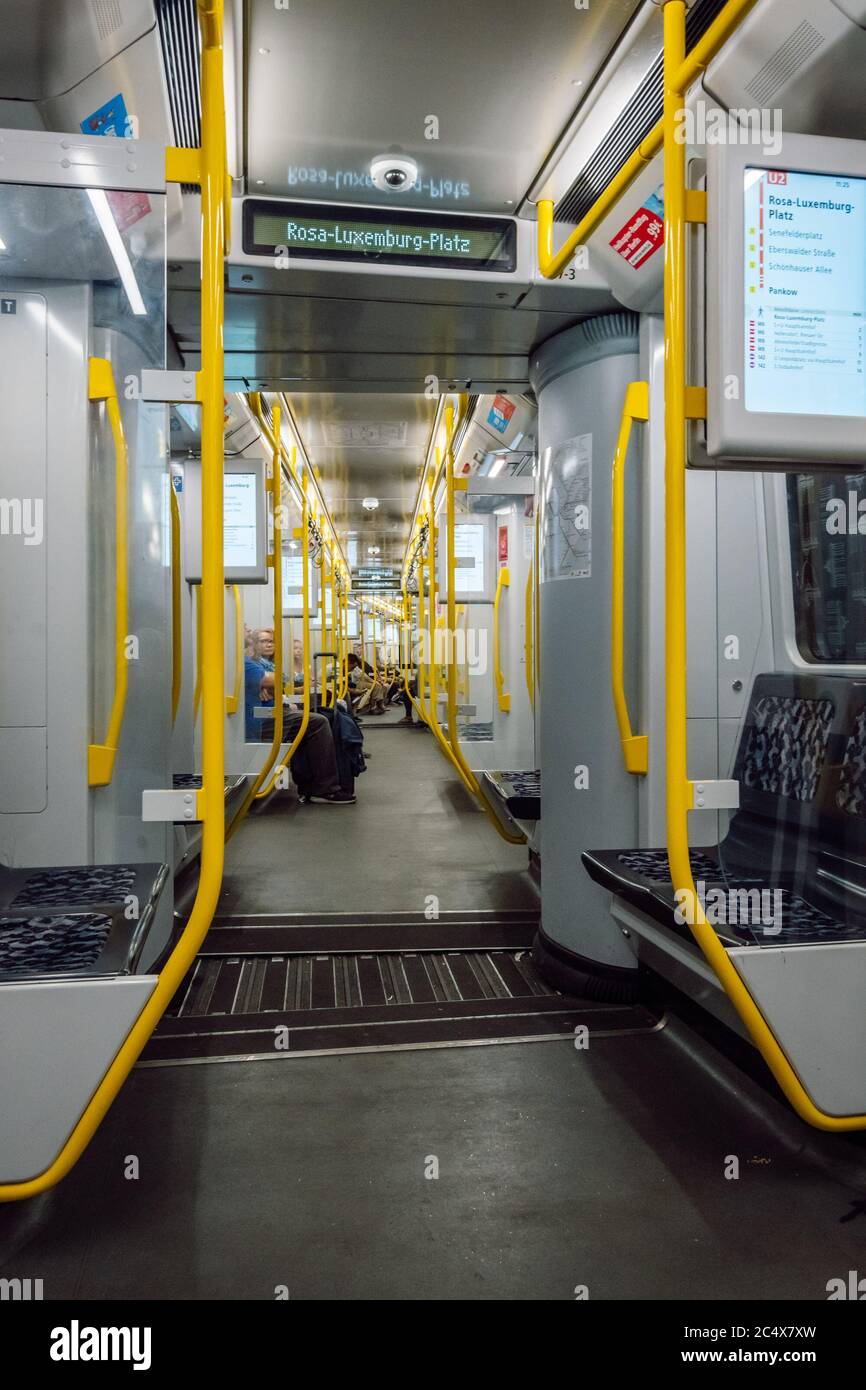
[
  {"x": 233, "y": 701},
  {"x": 305, "y": 630},
  {"x": 679, "y": 788},
  {"x": 176, "y": 607},
  {"x": 467, "y": 776},
  {"x": 211, "y": 798}
]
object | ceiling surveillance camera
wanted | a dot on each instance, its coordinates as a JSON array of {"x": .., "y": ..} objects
[{"x": 393, "y": 173}]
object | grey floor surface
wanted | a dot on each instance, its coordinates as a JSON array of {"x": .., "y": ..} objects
[
  {"x": 414, "y": 832},
  {"x": 556, "y": 1168}
]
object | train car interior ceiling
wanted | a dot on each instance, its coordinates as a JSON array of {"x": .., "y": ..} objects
[{"x": 433, "y": 692}]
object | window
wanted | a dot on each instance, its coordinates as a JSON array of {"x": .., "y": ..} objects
[{"x": 827, "y": 525}]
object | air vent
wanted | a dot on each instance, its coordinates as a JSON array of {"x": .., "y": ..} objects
[
  {"x": 785, "y": 62},
  {"x": 633, "y": 125},
  {"x": 108, "y": 16},
  {"x": 181, "y": 55},
  {"x": 366, "y": 434}
]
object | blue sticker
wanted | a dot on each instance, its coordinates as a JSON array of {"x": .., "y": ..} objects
[
  {"x": 109, "y": 119},
  {"x": 177, "y": 482}
]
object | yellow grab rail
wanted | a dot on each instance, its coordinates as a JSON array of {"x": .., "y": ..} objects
[
  {"x": 305, "y": 592},
  {"x": 275, "y": 562},
  {"x": 233, "y": 701},
  {"x": 210, "y": 799},
  {"x": 196, "y": 694},
  {"x": 528, "y": 635},
  {"x": 635, "y": 747},
  {"x": 176, "y": 604},
  {"x": 455, "y": 752},
  {"x": 680, "y": 790},
  {"x": 552, "y": 264},
  {"x": 503, "y": 698},
  {"x": 101, "y": 756}
]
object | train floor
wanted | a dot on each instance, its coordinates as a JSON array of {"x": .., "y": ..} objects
[{"x": 479, "y": 1163}]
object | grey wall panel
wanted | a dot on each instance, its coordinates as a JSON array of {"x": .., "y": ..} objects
[
  {"x": 23, "y": 578},
  {"x": 580, "y": 381},
  {"x": 59, "y": 833}
]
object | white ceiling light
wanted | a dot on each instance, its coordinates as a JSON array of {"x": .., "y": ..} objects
[
  {"x": 370, "y": 504},
  {"x": 372, "y": 550},
  {"x": 2, "y": 244},
  {"x": 119, "y": 252},
  {"x": 497, "y": 466}
]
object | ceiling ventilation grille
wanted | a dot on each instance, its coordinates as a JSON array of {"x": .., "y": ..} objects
[
  {"x": 108, "y": 16},
  {"x": 181, "y": 54},
  {"x": 633, "y": 125}
]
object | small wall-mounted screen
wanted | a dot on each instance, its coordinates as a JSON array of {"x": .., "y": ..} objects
[
  {"x": 245, "y": 521},
  {"x": 805, "y": 293},
  {"x": 240, "y": 534},
  {"x": 470, "y": 543}
]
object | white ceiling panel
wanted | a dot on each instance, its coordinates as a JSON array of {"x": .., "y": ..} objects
[{"x": 330, "y": 86}]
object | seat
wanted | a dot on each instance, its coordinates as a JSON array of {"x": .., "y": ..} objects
[
  {"x": 73, "y": 921},
  {"x": 519, "y": 792},
  {"x": 791, "y": 870}
]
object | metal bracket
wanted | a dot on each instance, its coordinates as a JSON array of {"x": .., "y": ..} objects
[
  {"x": 177, "y": 806},
  {"x": 715, "y": 796},
  {"x": 169, "y": 386}
]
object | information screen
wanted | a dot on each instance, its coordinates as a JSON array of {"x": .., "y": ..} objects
[
  {"x": 805, "y": 293},
  {"x": 293, "y": 578},
  {"x": 240, "y": 549},
  {"x": 470, "y": 540},
  {"x": 380, "y": 236}
]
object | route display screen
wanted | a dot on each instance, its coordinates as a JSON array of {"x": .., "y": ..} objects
[
  {"x": 805, "y": 293},
  {"x": 378, "y": 236}
]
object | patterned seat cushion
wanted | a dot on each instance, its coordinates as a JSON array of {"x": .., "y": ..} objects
[
  {"x": 97, "y": 883},
  {"x": 786, "y": 746},
  {"x": 851, "y": 792},
  {"x": 51, "y": 945}
]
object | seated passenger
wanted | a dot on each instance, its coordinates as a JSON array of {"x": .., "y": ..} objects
[
  {"x": 371, "y": 691},
  {"x": 317, "y": 743}
]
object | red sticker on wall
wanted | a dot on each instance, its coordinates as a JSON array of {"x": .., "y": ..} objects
[
  {"x": 503, "y": 545},
  {"x": 643, "y": 234}
]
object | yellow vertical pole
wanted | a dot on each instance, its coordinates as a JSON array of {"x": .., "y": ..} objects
[{"x": 211, "y": 798}]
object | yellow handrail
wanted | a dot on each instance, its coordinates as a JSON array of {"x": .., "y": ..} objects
[
  {"x": 680, "y": 790},
  {"x": 503, "y": 698},
  {"x": 635, "y": 747},
  {"x": 101, "y": 756},
  {"x": 176, "y": 605},
  {"x": 233, "y": 701},
  {"x": 551, "y": 264},
  {"x": 455, "y": 752},
  {"x": 210, "y": 800},
  {"x": 305, "y": 592},
  {"x": 196, "y": 694},
  {"x": 275, "y": 563},
  {"x": 529, "y": 636}
]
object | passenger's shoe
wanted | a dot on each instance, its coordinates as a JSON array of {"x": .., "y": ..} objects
[{"x": 332, "y": 799}]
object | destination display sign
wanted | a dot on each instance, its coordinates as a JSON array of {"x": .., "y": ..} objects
[
  {"x": 326, "y": 232},
  {"x": 368, "y": 579},
  {"x": 805, "y": 293}
]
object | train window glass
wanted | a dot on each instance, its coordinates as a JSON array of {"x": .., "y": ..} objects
[{"x": 827, "y": 527}]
